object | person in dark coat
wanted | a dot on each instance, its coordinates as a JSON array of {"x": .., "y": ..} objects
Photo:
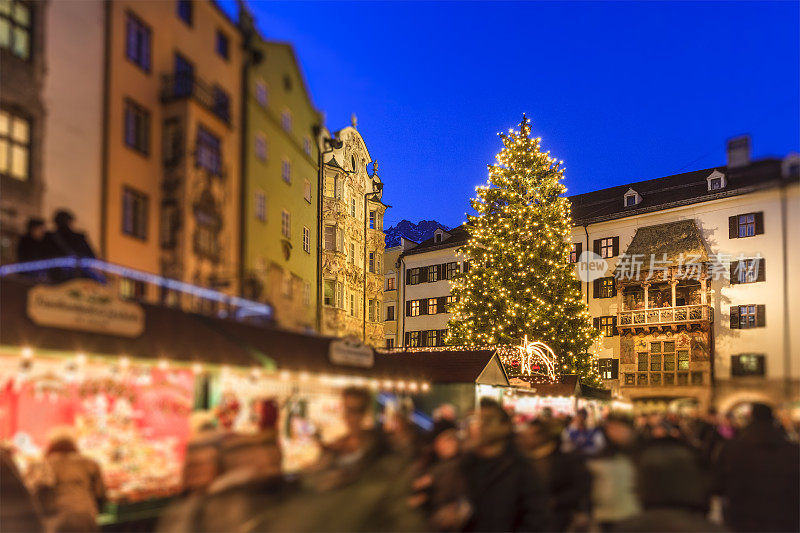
[
  {"x": 504, "y": 490},
  {"x": 18, "y": 511},
  {"x": 65, "y": 241},
  {"x": 758, "y": 473},
  {"x": 673, "y": 489},
  {"x": 564, "y": 475},
  {"x": 33, "y": 245}
]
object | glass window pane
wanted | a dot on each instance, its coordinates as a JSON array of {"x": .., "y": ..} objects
[
  {"x": 3, "y": 155},
  {"x": 5, "y": 33},
  {"x": 669, "y": 346},
  {"x": 655, "y": 347},
  {"x": 5, "y": 7},
  {"x": 21, "y": 42},
  {"x": 20, "y": 130},
  {"x": 22, "y": 14},
  {"x": 4, "y": 123},
  {"x": 19, "y": 162}
]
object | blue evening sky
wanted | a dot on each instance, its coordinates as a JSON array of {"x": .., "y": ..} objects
[{"x": 620, "y": 91}]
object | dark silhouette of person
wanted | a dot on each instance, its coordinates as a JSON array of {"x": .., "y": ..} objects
[
  {"x": 33, "y": 245},
  {"x": 64, "y": 240}
]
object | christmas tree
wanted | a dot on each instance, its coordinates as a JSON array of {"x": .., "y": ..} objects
[{"x": 520, "y": 281}]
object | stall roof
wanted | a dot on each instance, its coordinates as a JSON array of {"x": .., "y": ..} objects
[
  {"x": 447, "y": 366},
  {"x": 568, "y": 385}
]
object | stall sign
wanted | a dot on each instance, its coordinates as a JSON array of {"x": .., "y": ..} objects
[
  {"x": 350, "y": 352},
  {"x": 85, "y": 305}
]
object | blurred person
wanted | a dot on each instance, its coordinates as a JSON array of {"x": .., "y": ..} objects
[
  {"x": 503, "y": 488},
  {"x": 64, "y": 240},
  {"x": 582, "y": 437},
  {"x": 18, "y": 511},
  {"x": 758, "y": 476},
  {"x": 613, "y": 475},
  {"x": 564, "y": 475},
  {"x": 72, "y": 490},
  {"x": 673, "y": 489},
  {"x": 33, "y": 246}
]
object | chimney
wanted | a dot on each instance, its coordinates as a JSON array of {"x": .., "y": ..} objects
[{"x": 739, "y": 151}]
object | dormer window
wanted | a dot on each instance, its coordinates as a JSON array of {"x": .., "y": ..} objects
[
  {"x": 632, "y": 198},
  {"x": 439, "y": 235},
  {"x": 716, "y": 181}
]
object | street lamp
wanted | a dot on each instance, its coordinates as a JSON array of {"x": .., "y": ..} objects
[
  {"x": 376, "y": 193},
  {"x": 333, "y": 144}
]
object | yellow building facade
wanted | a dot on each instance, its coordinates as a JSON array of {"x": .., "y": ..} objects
[{"x": 172, "y": 160}]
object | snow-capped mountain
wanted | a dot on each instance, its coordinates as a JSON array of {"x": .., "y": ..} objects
[{"x": 415, "y": 232}]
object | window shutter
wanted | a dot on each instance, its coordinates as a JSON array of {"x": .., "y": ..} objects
[
  {"x": 761, "y": 316},
  {"x": 423, "y": 274},
  {"x": 759, "y": 222},
  {"x": 578, "y": 250},
  {"x": 615, "y": 369},
  {"x": 734, "y": 317},
  {"x": 408, "y": 311},
  {"x": 408, "y": 277},
  {"x": 596, "y": 288},
  {"x": 734, "y": 279},
  {"x": 733, "y": 227},
  {"x": 423, "y": 306},
  {"x": 408, "y": 337},
  {"x": 441, "y": 303},
  {"x": 443, "y": 271},
  {"x": 614, "y": 326},
  {"x": 596, "y": 323},
  {"x": 762, "y": 272},
  {"x": 613, "y": 287},
  {"x": 596, "y": 246},
  {"x": 616, "y": 246}
]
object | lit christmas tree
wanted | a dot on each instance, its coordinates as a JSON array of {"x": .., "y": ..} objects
[{"x": 520, "y": 280}]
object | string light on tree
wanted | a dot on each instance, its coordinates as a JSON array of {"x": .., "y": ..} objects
[{"x": 520, "y": 280}]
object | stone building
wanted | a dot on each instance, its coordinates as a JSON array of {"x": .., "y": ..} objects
[{"x": 352, "y": 240}]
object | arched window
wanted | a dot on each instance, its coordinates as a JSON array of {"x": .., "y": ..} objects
[{"x": 353, "y": 162}]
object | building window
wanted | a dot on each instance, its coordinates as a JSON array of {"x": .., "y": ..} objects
[
  {"x": 286, "y": 224},
  {"x": 222, "y": 45},
  {"x": 683, "y": 378},
  {"x": 261, "y": 206},
  {"x": 307, "y": 145},
  {"x": 134, "y": 213},
  {"x": 606, "y": 247},
  {"x": 641, "y": 361},
  {"x": 137, "y": 44},
  {"x": 669, "y": 362},
  {"x": 372, "y": 220},
  {"x": 607, "y": 368},
  {"x": 286, "y": 170},
  {"x": 15, "y": 28},
  {"x": 328, "y": 291},
  {"x": 371, "y": 310},
  {"x": 433, "y": 306},
  {"x": 605, "y": 287},
  {"x": 353, "y": 207},
  {"x": 452, "y": 270},
  {"x": 372, "y": 262},
  {"x": 630, "y": 379},
  {"x": 655, "y": 362},
  {"x": 286, "y": 121},
  {"x": 307, "y": 191},
  {"x": 389, "y": 312},
  {"x": 390, "y": 283},
  {"x": 306, "y": 240},
  {"x": 137, "y": 127},
  {"x": 261, "y": 93},
  {"x": 683, "y": 360},
  {"x": 715, "y": 184},
  {"x": 412, "y": 276},
  {"x": 352, "y": 304},
  {"x": 330, "y": 237},
  {"x": 261, "y": 146},
  {"x": 747, "y": 365},
  {"x": 413, "y": 339},
  {"x": 306, "y": 293},
  {"x": 450, "y": 300},
  {"x": 641, "y": 380},
  {"x": 748, "y": 271},
  {"x": 185, "y": 11},
  {"x": 207, "y": 153},
  {"x": 286, "y": 286},
  {"x": 389, "y": 344},
  {"x": 222, "y": 103},
  {"x": 130, "y": 289},
  {"x": 353, "y": 253},
  {"x": 630, "y": 200},
  {"x": 607, "y": 325},
  {"x": 747, "y": 225},
  {"x": 15, "y": 146},
  {"x": 413, "y": 308},
  {"x": 697, "y": 378},
  {"x": 433, "y": 273},
  {"x": 170, "y": 223},
  {"x": 655, "y": 379},
  {"x": 173, "y": 142},
  {"x": 575, "y": 252}
]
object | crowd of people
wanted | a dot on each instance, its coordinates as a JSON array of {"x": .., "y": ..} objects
[{"x": 490, "y": 470}]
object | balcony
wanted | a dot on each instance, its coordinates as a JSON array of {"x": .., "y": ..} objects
[
  {"x": 665, "y": 316},
  {"x": 176, "y": 87}
]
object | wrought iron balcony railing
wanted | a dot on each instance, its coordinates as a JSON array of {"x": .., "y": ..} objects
[
  {"x": 180, "y": 86},
  {"x": 666, "y": 315}
]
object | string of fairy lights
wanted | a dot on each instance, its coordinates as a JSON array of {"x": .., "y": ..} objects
[{"x": 520, "y": 281}]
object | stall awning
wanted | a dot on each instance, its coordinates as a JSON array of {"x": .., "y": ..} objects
[
  {"x": 482, "y": 367},
  {"x": 568, "y": 385}
]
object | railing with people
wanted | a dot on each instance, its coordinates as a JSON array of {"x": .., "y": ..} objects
[{"x": 666, "y": 315}]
